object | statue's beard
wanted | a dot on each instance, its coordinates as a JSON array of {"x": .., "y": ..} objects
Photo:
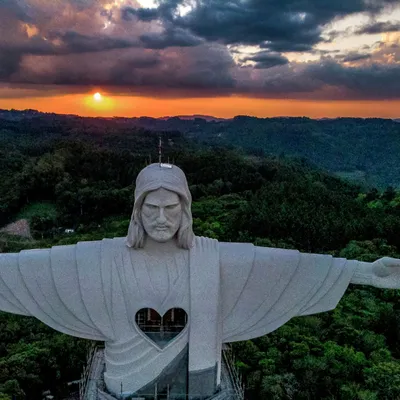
[{"x": 162, "y": 235}]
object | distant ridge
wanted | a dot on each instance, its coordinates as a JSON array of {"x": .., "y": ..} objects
[
  {"x": 18, "y": 115},
  {"x": 13, "y": 114},
  {"x": 30, "y": 113},
  {"x": 208, "y": 118}
]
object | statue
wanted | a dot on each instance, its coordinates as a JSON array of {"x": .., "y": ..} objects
[{"x": 229, "y": 291}]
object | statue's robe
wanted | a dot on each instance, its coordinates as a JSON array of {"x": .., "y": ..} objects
[{"x": 230, "y": 291}]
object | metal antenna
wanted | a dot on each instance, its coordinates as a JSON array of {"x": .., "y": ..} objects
[
  {"x": 160, "y": 150},
  {"x": 160, "y": 155}
]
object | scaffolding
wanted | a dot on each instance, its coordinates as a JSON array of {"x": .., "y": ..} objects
[{"x": 91, "y": 386}]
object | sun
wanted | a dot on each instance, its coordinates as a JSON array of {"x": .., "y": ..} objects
[{"x": 101, "y": 103}]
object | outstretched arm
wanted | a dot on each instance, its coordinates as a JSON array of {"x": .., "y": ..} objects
[
  {"x": 262, "y": 288},
  {"x": 46, "y": 284},
  {"x": 10, "y": 278},
  {"x": 383, "y": 273}
]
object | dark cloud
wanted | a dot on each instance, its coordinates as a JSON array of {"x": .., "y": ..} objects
[
  {"x": 8, "y": 91},
  {"x": 17, "y": 8},
  {"x": 264, "y": 60},
  {"x": 70, "y": 45},
  {"x": 379, "y": 27},
  {"x": 150, "y": 61},
  {"x": 172, "y": 34},
  {"x": 34, "y": 45},
  {"x": 285, "y": 46},
  {"x": 143, "y": 14},
  {"x": 374, "y": 81},
  {"x": 75, "y": 42},
  {"x": 204, "y": 71},
  {"x": 288, "y": 80},
  {"x": 322, "y": 80},
  {"x": 279, "y": 25},
  {"x": 253, "y": 24},
  {"x": 351, "y": 57},
  {"x": 194, "y": 71},
  {"x": 169, "y": 38},
  {"x": 9, "y": 64}
]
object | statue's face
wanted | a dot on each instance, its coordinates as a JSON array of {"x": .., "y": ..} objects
[{"x": 161, "y": 214}]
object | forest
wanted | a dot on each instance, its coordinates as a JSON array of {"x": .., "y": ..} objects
[
  {"x": 362, "y": 150},
  {"x": 60, "y": 174}
]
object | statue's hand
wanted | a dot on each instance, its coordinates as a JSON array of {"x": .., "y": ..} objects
[{"x": 386, "y": 273}]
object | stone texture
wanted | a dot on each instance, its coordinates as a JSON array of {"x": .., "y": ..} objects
[{"x": 203, "y": 383}]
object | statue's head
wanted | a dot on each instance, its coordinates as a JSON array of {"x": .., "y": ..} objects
[{"x": 162, "y": 208}]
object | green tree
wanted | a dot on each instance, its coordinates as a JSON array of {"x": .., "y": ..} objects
[{"x": 384, "y": 378}]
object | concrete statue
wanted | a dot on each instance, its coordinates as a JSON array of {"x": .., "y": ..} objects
[{"x": 229, "y": 291}]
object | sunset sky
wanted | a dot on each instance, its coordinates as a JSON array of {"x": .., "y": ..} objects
[{"x": 317, "y": 58}]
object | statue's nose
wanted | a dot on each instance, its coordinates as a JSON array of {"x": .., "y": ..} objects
[{"x": 161, "y": 216}]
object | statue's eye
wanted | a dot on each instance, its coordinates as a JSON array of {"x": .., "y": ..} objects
[
  {"x": 171, "y": 207},
  {"x": 151, "y": 206}
]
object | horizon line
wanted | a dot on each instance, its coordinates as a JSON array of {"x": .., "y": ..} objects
[{"x": 191, "y": 116}]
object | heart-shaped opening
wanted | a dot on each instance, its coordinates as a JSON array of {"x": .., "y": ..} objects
[{"x": 161, "y": 329}]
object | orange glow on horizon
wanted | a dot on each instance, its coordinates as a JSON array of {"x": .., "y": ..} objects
[{"x": 224, "y": 107}]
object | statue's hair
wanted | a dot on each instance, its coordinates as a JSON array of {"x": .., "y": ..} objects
[{"x": 137, "y": 234}]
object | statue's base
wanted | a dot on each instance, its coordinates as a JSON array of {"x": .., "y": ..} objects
[{"x": 95, "y": 389}]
